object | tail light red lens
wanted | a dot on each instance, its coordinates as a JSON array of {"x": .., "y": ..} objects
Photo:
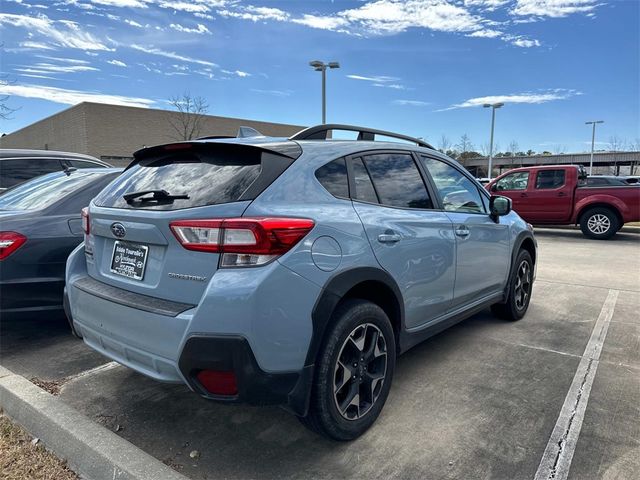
[
  {"x": 243, "y": 242},
  {"x": 218, "y": 382},
  {"x": 10, "y": 242},
  {"x": 85, "y": 220}
]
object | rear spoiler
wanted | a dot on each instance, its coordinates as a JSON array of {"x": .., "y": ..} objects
[{"x": 290, "y": 150}]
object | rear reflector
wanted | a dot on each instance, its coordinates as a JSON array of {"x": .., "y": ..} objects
[
  {"x": 218, "y": 382},
  {"x": 243, "y": 242},
  {"x": 10, "y": 242},
  {"x": 85, "y": 220}
]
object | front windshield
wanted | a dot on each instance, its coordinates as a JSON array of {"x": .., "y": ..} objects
[{"x": 43, "y": 191}]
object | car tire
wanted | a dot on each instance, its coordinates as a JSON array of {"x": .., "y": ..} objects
[
  {"x": 353, "y": 374},
  {"x": 520, "y": 286},
  {"x": 599, "y": 223}
]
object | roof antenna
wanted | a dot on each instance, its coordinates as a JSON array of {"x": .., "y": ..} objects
[{"x": 247, "y": 132}]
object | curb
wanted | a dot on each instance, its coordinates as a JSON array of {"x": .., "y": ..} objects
[
  {"x": 90, "y": 450},
  {"x": 626, "y": 229}
]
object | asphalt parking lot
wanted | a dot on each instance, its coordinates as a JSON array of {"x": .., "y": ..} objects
[{"x": 480, "y": 400}]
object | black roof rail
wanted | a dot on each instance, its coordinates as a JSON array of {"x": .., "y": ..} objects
[{"x": 319, "y": 132}]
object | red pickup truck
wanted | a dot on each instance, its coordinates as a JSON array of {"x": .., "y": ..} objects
[{"x": 558, "y": 195}]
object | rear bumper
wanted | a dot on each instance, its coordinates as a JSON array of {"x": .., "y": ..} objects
[
  {"x": 246, "y": 322},
  {"x": 255, "y": 386}
]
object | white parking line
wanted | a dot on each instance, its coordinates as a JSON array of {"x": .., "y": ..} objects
[
  {"x": 556, "y": 460},
  {"x": 99, "y": 368}
]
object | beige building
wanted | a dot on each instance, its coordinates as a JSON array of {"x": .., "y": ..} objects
[{"x": 112, "y": 132}]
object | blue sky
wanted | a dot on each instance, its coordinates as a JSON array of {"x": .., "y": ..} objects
[{"x": 421, "y": 67}]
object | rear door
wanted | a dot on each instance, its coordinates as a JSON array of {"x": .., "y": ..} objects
[
  {"x": 550, "y": 197},
  {"x": 131, "y": 244},
  {"x": 410, "y": 239},
  {"x": 482, "y": 244}
]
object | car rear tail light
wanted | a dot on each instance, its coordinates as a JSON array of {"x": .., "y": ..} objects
[
  {"x": 218, "y": 382},
  {"x": 85, "y": 220},
  {"x": 10, "y": 242},
  {"x": 243, "y": 242}
]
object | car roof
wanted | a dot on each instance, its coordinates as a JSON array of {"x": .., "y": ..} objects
[{"x": 14, "y": 153}]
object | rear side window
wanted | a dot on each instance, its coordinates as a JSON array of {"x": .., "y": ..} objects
[
  {"x": 83, "y": 164},
  {"x": 397, "y": 180},
  {"x": 333, "y": 177},
  {"x": 549, "y": 179},
  {"x": 13, "y": 172},
  {"x": 364, "y": 186},
  {"x": 207, "y": 178}
]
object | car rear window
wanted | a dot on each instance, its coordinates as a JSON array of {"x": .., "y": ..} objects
[
  {"x": 206, "y": 178},
  {"x": 43, "y": 191}
]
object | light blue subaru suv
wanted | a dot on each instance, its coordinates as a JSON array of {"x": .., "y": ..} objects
[{"x": 292, "y": 271}]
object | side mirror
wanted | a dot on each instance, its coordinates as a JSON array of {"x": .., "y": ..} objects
[
  {"x": 494, "y": 187},
  {"x": 499, "y": 206}
]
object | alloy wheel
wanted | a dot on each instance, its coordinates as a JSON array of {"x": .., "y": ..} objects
[
  {"x": 360, "y": 371},
  {"x": 522, "y": 288},
  {"x": 598, "y": 224}
]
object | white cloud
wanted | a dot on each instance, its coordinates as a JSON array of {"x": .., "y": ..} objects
[
  {"x": 117, "y": 63},
  {"x": 256, "y": 14},
  {"x": 122, "y": 3},
  {"x": 488, "y": 4},
  {"x": 133, "y": 23},
  {"x": 275, "y": 93},
  {"x": 374, "y": 78},
  {"x": 395, "y": 16},
  {"x": 191, "y": 7},
  {"x": 553, "y": 8},
  {"x": 485, "y": 33},
  {"x": 63, "y": 33},
  {"x": 524, "y": 42},
  {"x": 529, "y": 97},
  {"x": 322, "y": 22},
  {"x": 411, "y": 103},
  {"x": 71, "y": 97},
  {"x": 238, "y": 73},
  {"x": 36, "y": 45},
  {"x": 201, "y": 29},
  {"x": 172, "y": 55},
  {"x": 44, "y": 68}
]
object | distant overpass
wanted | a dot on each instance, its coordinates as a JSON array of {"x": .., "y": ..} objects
[{"x": 612, "y": 163}]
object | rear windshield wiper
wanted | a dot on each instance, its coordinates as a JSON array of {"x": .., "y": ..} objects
[{"x": 156, "y": 195}]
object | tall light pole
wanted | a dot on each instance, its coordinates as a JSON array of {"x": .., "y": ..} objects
[
  {"x": 493, "y": 107},
  {"x": 319, "y": 66},
  {"x": 593, "y": 141}
]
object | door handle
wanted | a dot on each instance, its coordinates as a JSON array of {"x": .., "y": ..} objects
[
  {"x": 389, "y": 238},
  {"x": 462, "y": 231},
  {"x": 523, "y": 194},
  {"x": 562, "y": 194}
]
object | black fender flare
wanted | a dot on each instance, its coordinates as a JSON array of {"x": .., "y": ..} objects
[
  {"x": 517, "y": 245},
  {"x": 334, "y": 290}
]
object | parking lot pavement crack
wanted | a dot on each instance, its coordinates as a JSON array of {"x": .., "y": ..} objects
[{"x": 556, "y": 459}]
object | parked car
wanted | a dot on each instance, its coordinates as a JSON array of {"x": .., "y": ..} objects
[
  {"x": 41, "y": 225},
  {"x": 17, "y": 166},
  {"x": 609, "y": 180},
  {"x": 292, "y": 271},
  {"x": 558, "y": 195}
]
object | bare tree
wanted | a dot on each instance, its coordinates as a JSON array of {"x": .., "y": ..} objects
[
  {"x": 444, "y": 144},
  {"x": 464, "y": 144},
  {"x": 616, "y": 144},
  {"x": 635, "y": 145},
  {"x": 513, "y": 147},
  {"x": 5, "y": 110},
  {"x": 191, "y": 112},
  {"x": 558, "y": 149},
  {"x": 485, "y": 147}
]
